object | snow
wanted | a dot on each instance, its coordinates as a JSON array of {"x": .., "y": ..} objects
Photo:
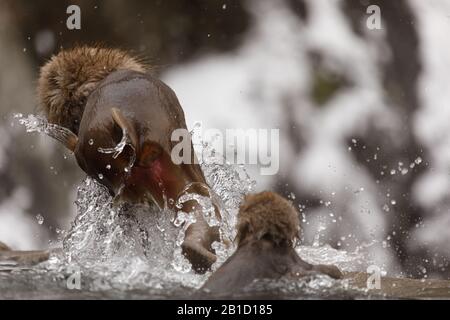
[
  {"x": 18, "y": 229},
  {"x": 432, "y": 121}
]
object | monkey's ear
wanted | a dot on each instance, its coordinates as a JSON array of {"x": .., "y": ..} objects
[{"x": 126, "y": 127}]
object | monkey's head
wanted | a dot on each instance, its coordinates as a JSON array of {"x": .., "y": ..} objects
[
  {"x": 268, "y": 216},
  {"x": 68, "y": 78}
]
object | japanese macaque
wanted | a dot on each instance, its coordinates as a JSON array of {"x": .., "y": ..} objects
[
  {"x": 267, "y": 229},
  {"x": 120, "y": 120}
]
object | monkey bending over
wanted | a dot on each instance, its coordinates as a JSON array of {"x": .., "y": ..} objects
[{"x": 104, "y": 97}]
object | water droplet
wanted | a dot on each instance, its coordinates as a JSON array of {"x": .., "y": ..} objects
[
  {"x": 418, "y": 160},
  {"x": 386, "y": 208},
  {"x": 40, "y": 219},
  {"x": 393, "y": 171},
  {"x": 179, "y": 219},
  {"x": 197, "y": 125},
  {"x": 100, "y": 176},
  {"x": 91, "y": 142},
  {"x": 393, "y": 202},
  {"x": 108, "y": 166},
  {"x": 359, "y": 190},
  {"x": 404, "y": 171},
  {"x": 224, "y": 7}
]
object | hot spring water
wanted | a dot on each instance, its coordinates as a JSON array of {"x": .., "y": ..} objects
[{"x": 116, "y": 251}]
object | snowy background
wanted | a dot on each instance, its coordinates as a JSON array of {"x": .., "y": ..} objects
[{"x": 363, "y": 114}]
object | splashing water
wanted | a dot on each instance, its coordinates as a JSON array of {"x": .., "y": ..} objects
[
  {"x": 118, "y": 149},
  {"x": 129, "y": 245},
  {"x": 134, "y": 244},
  {"x": 39, "y": 124},
  {"x": 139, "y": 246}
]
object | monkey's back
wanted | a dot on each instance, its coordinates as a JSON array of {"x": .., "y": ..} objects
[{"x": 148, "y": 104}]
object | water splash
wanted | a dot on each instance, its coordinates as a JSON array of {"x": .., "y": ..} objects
[
  {"x": 139, "y": 246},
  {"x": 135, "y": 244},
  {"x": 118, "y": 149},
  {"x": 309, "y": 287},
  {"x": 125, "y": 246},
  {"x": 33, "y": 123},
  {"x": 344, "y": 260}
]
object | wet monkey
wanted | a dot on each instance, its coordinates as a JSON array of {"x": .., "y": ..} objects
[{"x": 104, "y": 97}]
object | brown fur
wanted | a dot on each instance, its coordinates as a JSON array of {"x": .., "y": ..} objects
[
  {"x": 69, "y": 77},
  {"x": 267, "y": 214}
]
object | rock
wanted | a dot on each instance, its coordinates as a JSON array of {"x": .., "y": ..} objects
[
  {"x": 4, "y": 247},
  {"x": 403, "y": 288},
  {"x": 26, "y": 258}
]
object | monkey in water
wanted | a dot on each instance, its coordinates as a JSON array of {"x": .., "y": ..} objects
[
  {"x": 106, "y": 97},
  {"x": 267, "y": 229}
]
